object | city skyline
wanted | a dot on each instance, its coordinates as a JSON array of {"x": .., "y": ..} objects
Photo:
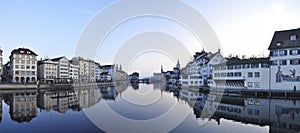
[{"x": 53, "y": 28}]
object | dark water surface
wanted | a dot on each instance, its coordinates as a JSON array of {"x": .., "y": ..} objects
[{"x": 143, "y": 108}]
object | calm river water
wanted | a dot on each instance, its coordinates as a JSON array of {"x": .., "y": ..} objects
[{"x": 142, "y": 108}]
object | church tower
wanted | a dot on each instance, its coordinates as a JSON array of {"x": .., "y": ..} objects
[{"x": 178, "y": 64}]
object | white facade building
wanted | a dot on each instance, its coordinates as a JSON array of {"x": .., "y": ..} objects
[
  {"x": 235, "y": 73},
  {"x": 199, "y": 71},
  {"x": 285, "y": 60},
  {"x": 23, "y": 66},
  {"x": 62, "y": 68}
]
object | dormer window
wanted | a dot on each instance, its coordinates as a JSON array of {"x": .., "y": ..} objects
[
  {"x": 293, "y": 37},
  {"x": 278, "y": 44}
]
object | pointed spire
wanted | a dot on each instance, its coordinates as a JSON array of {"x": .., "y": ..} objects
[
  {"x": 120, "y": 67},
  {"x": 178, "y": 64},
  {"x": 161, "y": 68}
]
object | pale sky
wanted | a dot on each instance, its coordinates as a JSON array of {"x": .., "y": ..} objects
[{"x": 51, "y": 28}]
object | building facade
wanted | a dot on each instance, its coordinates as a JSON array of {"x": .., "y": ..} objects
[
  {"x": 285, "y": 60},
  {"x": 73, "y": 72},
  {"x": 23, "y": 66},
  {"x": 47, "y": 71},
  {"x": 199, "y": 71},
  {"x": 236, "y": 73},
  {"x": 86, "y": 69},
  {"x": 107, "y": 72},
  {"x": 57, "y": 70},
  {"x": 98, "y": 70}
]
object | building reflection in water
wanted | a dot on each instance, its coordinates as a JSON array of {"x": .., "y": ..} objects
[
  {"x": 22, "y": 105},
  {"x": 279, "y": 114},
  {"x": 111, "y": 92},
  {"x": 63, "y": 100},
  {"x": 135, "y": 86}
]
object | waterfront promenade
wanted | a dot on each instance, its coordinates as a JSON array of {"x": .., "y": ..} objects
[{"x": 51, "y": 86}]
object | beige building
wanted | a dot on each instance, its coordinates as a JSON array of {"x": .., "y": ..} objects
[
  {"x": 47, "y": 71},
  {"x": 23, "y": 66},
  {"x": 58, "y": 70},
  {"x": 86, "y": 69}
]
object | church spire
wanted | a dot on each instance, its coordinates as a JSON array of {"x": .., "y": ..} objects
[
  {"x": 161, "y": 68},
  {"x": 178, "y": 64}
]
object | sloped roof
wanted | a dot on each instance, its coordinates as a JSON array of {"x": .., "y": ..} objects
[
  {"x": 58, "y": 58},
  {"x": 23, "y": 51},
  {"x": 236, "y": 61},
  {"x": 283, "y": 37}
]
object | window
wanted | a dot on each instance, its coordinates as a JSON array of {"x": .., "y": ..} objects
[
  {"x": 278, "y": 44},
  {"x": 274, "y": 53},
  {"x": 256, "y": 112},
  {"x": 223, "y": 67},
  {"x": 250, "y": 102},
  {"x": 22, "y": 67},
  {"x": 274, "y": 63},
  {"x": 230, "y": 74},
  {"x": 238, "y": 67},
  {"x": 282, "y": 62},
  {"x": 237, "y": 74},
  {"x": 16, "y": 72},
  {"x": 256, "y": 84},
  {"x": 294, "y": 52},
  {"x": 33, "y": 72},
  {"x": 256, "y": 74},
  {"x": 293, "y": 37},
  {"x": 33, "y": 62},
  {"x": 294, "y": 62},
  {"x": 254, "y": 65},
  {"x": 32, "y": 67},
  {"x": 230, "y": 67},
  {"x": 250, "y": 74},
  {"x": 265, "y": 65},
  {"x": 223, "y": 74},
  {"x": 23, "y": 61},
  {"x": 17, "y": 66},
  {"x": 250, "y": 84},
  {"x": 282, "y": 52},
  {"x": 250, "y": 111},
  {"x": 246, "y": 66},
  {"x": 27, "y": 67},
  {"x": 28, "y": 61},
  {"x": 217, "y": 74}
]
